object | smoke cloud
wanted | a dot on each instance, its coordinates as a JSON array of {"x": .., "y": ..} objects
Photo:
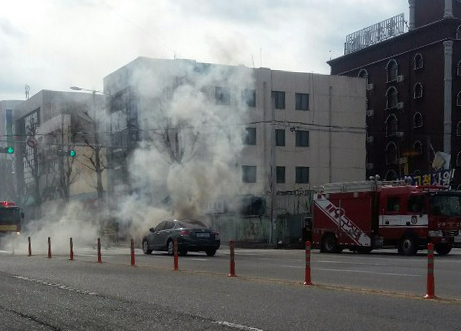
[{"x": 191, "y": 124}]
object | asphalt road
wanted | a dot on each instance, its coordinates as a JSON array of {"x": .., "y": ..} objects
[
  {"x": 37, "y": 293},
  {"x": 384, "y": 270}
]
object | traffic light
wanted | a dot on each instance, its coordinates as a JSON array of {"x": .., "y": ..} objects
[
  {"x": 8, "y": 150},
  {"x": 70, "y": 152}
]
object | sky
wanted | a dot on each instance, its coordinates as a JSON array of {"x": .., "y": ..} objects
[{"x": 55, "y": 44}]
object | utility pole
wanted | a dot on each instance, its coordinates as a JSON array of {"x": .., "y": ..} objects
[
  {"x": 97, "y": 150},
  {"x": 273, "y": 173}
]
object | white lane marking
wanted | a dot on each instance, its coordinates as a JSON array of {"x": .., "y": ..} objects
[
  {"x": 62, "y": 287},
  {"x": 237, "y": 326},
  {"x": 198, "y": 259},
  {"x": 368, "y": 272},
  {"x": 345, "y": 262}
]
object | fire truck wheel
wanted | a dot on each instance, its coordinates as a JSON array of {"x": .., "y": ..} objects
[
  {"x": 364, "y": 250},
  {"x": 330, "y": 244},
  {"x": 443, "y": 249},
  {"x": 408, "y": 245}
]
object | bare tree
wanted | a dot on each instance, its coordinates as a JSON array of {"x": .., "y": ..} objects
[{"x": 94, "y": 158}]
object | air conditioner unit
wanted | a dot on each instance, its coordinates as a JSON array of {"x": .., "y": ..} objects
[
  {"x": 370, "y": 87},
  {"x": 400, "y": 78},
  {"x": 370, "y": 112},
  {"x": 400, "y": 105},
  {"x": 369, "y": 166},
  {"x": 369, "y": 139}
]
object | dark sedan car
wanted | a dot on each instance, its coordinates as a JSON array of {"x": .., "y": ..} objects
[{"x": 192, "y": 236}]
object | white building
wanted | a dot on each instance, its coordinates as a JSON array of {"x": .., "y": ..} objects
[
  {"x": 310, "y": 126},
  {"x": 7, "y": 161},
  {"x": 48, "y": 126}
]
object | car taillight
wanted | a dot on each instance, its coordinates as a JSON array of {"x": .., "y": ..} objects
[
  {"x": 183, "y": 233},
  {"x": 216, "y": 235}
]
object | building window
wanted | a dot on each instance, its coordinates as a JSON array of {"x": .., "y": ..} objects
[
  {"x": 249, "y": 97},
  {"x": 280, "y": 172},
  {"x": 302, "y": 175},
  {"x": 222, "y": 95},
  {"x": 390, "y": 175},
  {"x": 418, "y": 62},
  {"x": 458, "y": 69},
  {"x": 279, "y": 137},
  {"x": 458, "y": 129},
  {"x": 458, "y": 99},
  {"x": 458, "y": 159},
  {"x": 249, "y": 174},
  {"x": 458, "y": 32},
  {"x": 391, "y": 153},
  {"x": 278, "y": 99},
  {"x": 302, "y": 138},
  {"x": 363, "y": 73},
  {"x": 302, "y": 101},
  {"x": 391, "y": 98},
  {"x": 392, "y": 125},
  {"x": 392, "y": 69},
  {"x": 418, "y": 120},
  {"x": 418, "y": 148},
  {"x": 418, "y": 91},
  {"x": 250, "y": 137}
]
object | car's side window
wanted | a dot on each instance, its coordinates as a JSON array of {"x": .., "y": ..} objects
[
  {"x": 169, "y": 225},
  {"x": 161, "y": 226}
]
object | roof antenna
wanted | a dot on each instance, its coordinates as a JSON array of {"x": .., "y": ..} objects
[
  {"x": 261, "y": 55},
  {"x": 27, "y": 89}
]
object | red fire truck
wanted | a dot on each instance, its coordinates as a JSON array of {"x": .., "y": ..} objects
[
  {"x": 11, "y": 218},
  {"x": 367, "y": 215}
]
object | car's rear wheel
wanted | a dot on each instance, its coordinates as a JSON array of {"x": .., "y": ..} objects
[
  {"x": 210, "y": 252},
  {"x": 145, "y": 247}
]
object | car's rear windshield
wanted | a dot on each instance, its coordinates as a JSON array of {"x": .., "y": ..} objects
[{"x": 194, "y": 224}]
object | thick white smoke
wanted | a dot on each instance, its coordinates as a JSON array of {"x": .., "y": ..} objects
[
  {"x": 187, "y": 159},
  {"x": 190, "y": 154}
]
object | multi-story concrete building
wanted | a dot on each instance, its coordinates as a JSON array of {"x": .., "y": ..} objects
[
  {"x": 7, "y": 164},
  {"x": 413, "y": 88},
  {"x": 48, "y": 127},
  {"x": 299, "y": 129}
]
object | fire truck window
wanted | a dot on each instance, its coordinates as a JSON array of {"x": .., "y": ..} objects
[
  {"x": 416, "y": 204},
  {"x": 393, "y": 204}
]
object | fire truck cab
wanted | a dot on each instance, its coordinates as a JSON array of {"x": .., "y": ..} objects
[
  {"x": 11, "y": 217},
  {"x": 368, "y": 215}
]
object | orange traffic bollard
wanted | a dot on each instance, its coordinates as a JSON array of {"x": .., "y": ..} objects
[
  {"x": 99, "y": 251},
  {"x": 71, "y": 253},
  {"x": 175, "y": 253},
  {"x": 132, "y": 253},
  {"x": 430, "y": 272},
  {"x": 307, "y": 274},
  {"x": 232, "y": 259},
  {"x": 30, "y": 247},
  {"x": 49, "y": 247}
]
